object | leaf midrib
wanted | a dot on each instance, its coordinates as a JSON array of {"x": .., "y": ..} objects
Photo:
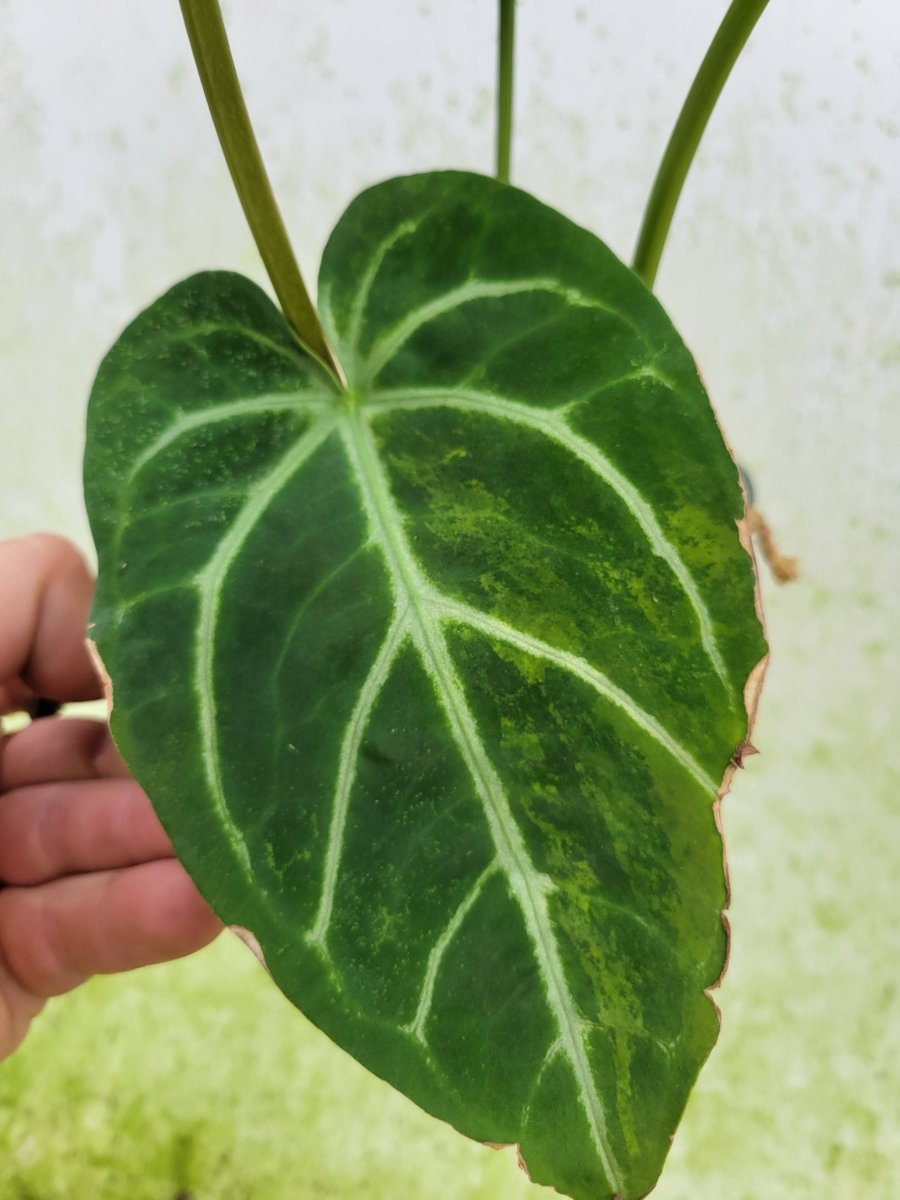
[{"x": 526, "y": 884}]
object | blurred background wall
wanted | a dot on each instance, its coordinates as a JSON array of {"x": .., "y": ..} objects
[{"x": 783, "y": 274}]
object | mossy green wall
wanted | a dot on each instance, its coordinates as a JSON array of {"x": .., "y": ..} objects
[{"x": 783, "y": 272}]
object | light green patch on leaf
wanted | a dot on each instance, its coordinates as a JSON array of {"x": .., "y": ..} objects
[{"x": 433, "y": 678}]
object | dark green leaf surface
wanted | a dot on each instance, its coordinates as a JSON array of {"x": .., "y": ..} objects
[{"x": 433, "y": 679}]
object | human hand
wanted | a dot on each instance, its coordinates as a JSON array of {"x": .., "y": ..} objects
[{"x": 88, "y": 879}]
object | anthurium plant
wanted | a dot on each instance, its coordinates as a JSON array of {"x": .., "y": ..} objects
[{"x": 432, "y": 633}]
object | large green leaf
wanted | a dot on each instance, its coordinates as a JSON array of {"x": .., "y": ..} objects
[{"x": 433, "y": 679}]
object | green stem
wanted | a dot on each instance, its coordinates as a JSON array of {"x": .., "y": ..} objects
[
  {"x": 730, "y": 39},
  {"x": 505, "y": 57},
  {"x": 215, "y": 65}
]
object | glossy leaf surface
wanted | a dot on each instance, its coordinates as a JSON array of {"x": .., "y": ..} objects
[{"x": 433, "y": 679}]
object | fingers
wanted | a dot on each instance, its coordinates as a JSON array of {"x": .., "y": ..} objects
[
  {"x": 59, "y": 829},
  {"x": 45, "y": 597},
  {"x": 18, "y": 1008},
  {"x": 91, "y": 887},
  {"x": 56, "y": 749},
  {"x": 55, "y": 937}
]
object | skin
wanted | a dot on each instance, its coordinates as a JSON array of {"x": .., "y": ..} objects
[{"x": 91, "y": 882}]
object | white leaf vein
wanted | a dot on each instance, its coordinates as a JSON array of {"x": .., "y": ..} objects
[
  {"x": 416, "y": 1026},
  {"x": 465, "y": 614},
  {"x": 193, "y": 334},
  {"x": 391, "y": 341},
  {"x": 554, "y": 426},
  {"x": 210, "y": 582},
  {"x": 187, "y": 422},
  {"x": 352, "y": 336},
  {"x": 346, "y": 772}
]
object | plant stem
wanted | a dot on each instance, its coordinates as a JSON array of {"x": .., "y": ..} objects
[
  {"x": 721, "y": 56},
  {"x": 505, "y": 58},
  {"x": 215, "y": 66}
]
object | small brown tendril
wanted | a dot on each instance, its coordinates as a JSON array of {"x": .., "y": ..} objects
[{"x": 784, "y": 568}]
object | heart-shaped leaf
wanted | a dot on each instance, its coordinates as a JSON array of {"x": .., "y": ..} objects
[{"x": 433, "y": 677}]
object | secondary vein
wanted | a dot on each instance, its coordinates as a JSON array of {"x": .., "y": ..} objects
[
  {"x": 555, "y": 426},
  {"x": 210, "y": 582}
]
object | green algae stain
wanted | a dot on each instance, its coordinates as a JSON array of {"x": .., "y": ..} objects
[{"x": 166, "y": 1082}]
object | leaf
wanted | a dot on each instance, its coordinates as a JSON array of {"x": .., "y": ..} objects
[{"x": 433, "y": 679}]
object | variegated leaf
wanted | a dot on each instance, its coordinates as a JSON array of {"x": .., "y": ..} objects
[{"x": 433, "y": 675}]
